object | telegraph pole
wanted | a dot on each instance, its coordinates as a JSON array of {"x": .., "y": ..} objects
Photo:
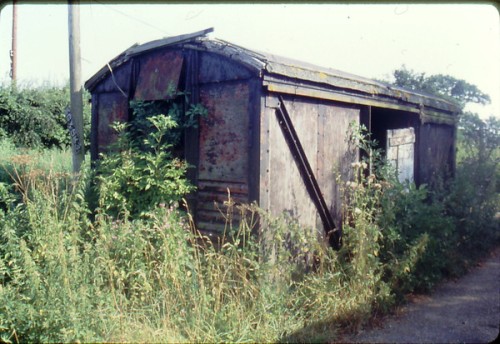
[
  {"x": 75, "y": 116},
  {"x": 13, "y": 51}
]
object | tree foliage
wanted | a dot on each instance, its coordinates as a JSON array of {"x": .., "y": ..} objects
[{"x": 456, "y": 90}]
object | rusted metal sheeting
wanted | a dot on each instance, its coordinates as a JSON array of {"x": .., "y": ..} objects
[
  {"x": 159, "y": 75},
  {"x": 224, "y": 138},
  {"x": 119, "y": 80},
  {"x": 252, "y": 60},
  {"x": 217, "y": 68},
  {"x": 138, "y": 49},
  {"x": 111, "y": 107}
]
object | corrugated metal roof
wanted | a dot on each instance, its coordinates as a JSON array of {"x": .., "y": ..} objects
[{"x": 275, "y": 68}]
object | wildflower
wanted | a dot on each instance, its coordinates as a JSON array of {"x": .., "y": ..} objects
[
  {"x": 352, "y": 185},
  {"x": 357, "y": 211}
]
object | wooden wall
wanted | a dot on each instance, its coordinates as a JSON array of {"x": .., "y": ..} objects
[
  {"x": 322, "y": 129},
  {"x": 436, "y": 152}
]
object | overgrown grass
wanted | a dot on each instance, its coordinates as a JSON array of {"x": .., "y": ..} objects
[{"x": 66, "y": 276}]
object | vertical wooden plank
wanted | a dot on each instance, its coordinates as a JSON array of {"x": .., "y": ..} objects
[
  {"x": 322, "y": 129},
  {"x": 288, "y": 193},
  {"x": 265, "y": 144},
  {"x": 436, "y": 151},
  {"x": 337, "y": 153}
]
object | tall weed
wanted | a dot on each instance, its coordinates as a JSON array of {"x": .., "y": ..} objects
[{"x": 67, "y": 276}]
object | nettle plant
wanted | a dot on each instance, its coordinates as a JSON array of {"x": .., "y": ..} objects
[{"x": 144, "y": 167}]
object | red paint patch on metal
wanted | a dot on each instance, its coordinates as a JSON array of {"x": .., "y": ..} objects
[
  {"x": 112, "y": 107},
  {"x": 159, "y": 75}
]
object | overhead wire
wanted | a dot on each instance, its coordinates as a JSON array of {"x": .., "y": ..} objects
[{"x": 132, "y": 17}]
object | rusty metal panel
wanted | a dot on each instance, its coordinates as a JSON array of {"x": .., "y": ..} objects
[
  {"x": 111, "y": 107},
  {"x": 118, "y": 79},
  {"x": 217, "y": 68},
  {"x": 224, "y": 148},
  {"x": 212, "y": 210},
  {"x": 224, "y": 133},
  {"x": 159, "y": 75}
]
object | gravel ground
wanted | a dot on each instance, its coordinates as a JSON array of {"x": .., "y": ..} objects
[{"x": 463, "y": 311}]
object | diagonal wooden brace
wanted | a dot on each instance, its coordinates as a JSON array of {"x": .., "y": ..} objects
[{"x": 333, "y": 233}]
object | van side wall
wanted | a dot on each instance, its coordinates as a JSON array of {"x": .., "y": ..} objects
[{"x": 322, "y": 127}]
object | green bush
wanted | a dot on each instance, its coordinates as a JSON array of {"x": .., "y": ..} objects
[
  {"x": 134, "y": 178},
  {"x": 35, "y": 117},
  {"x": 474, "y": 197}
]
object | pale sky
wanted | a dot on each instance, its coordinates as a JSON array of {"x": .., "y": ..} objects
[{"x": 461, "y": 40}]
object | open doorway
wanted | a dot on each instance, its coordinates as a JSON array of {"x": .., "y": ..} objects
[{"x": 396, "y": 133}]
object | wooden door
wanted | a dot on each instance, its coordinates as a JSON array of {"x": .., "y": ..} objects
[{"x": 401, "y": 152}]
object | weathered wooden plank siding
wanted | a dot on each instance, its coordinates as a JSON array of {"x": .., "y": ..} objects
[
  {"x": 287, "y": 192},
  {"x": 436, "y": 149},
  {"x": 322, "y": 129},
  {"x": 335, "y": 153}
]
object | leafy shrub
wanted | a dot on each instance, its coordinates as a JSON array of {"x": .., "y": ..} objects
[
  {"x": 173, "y": 107},
  {"x": 474, "y": 197},
  {"x": 135, "y": 178},
  {"x": 35, "y": 117}
]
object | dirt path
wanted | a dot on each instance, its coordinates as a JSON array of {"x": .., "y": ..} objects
[{"x": 463, "y": 311}]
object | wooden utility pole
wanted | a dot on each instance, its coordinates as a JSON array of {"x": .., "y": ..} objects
[
  {"x": 75, "y": 116},
  {"x": 13, "y": 51}
]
